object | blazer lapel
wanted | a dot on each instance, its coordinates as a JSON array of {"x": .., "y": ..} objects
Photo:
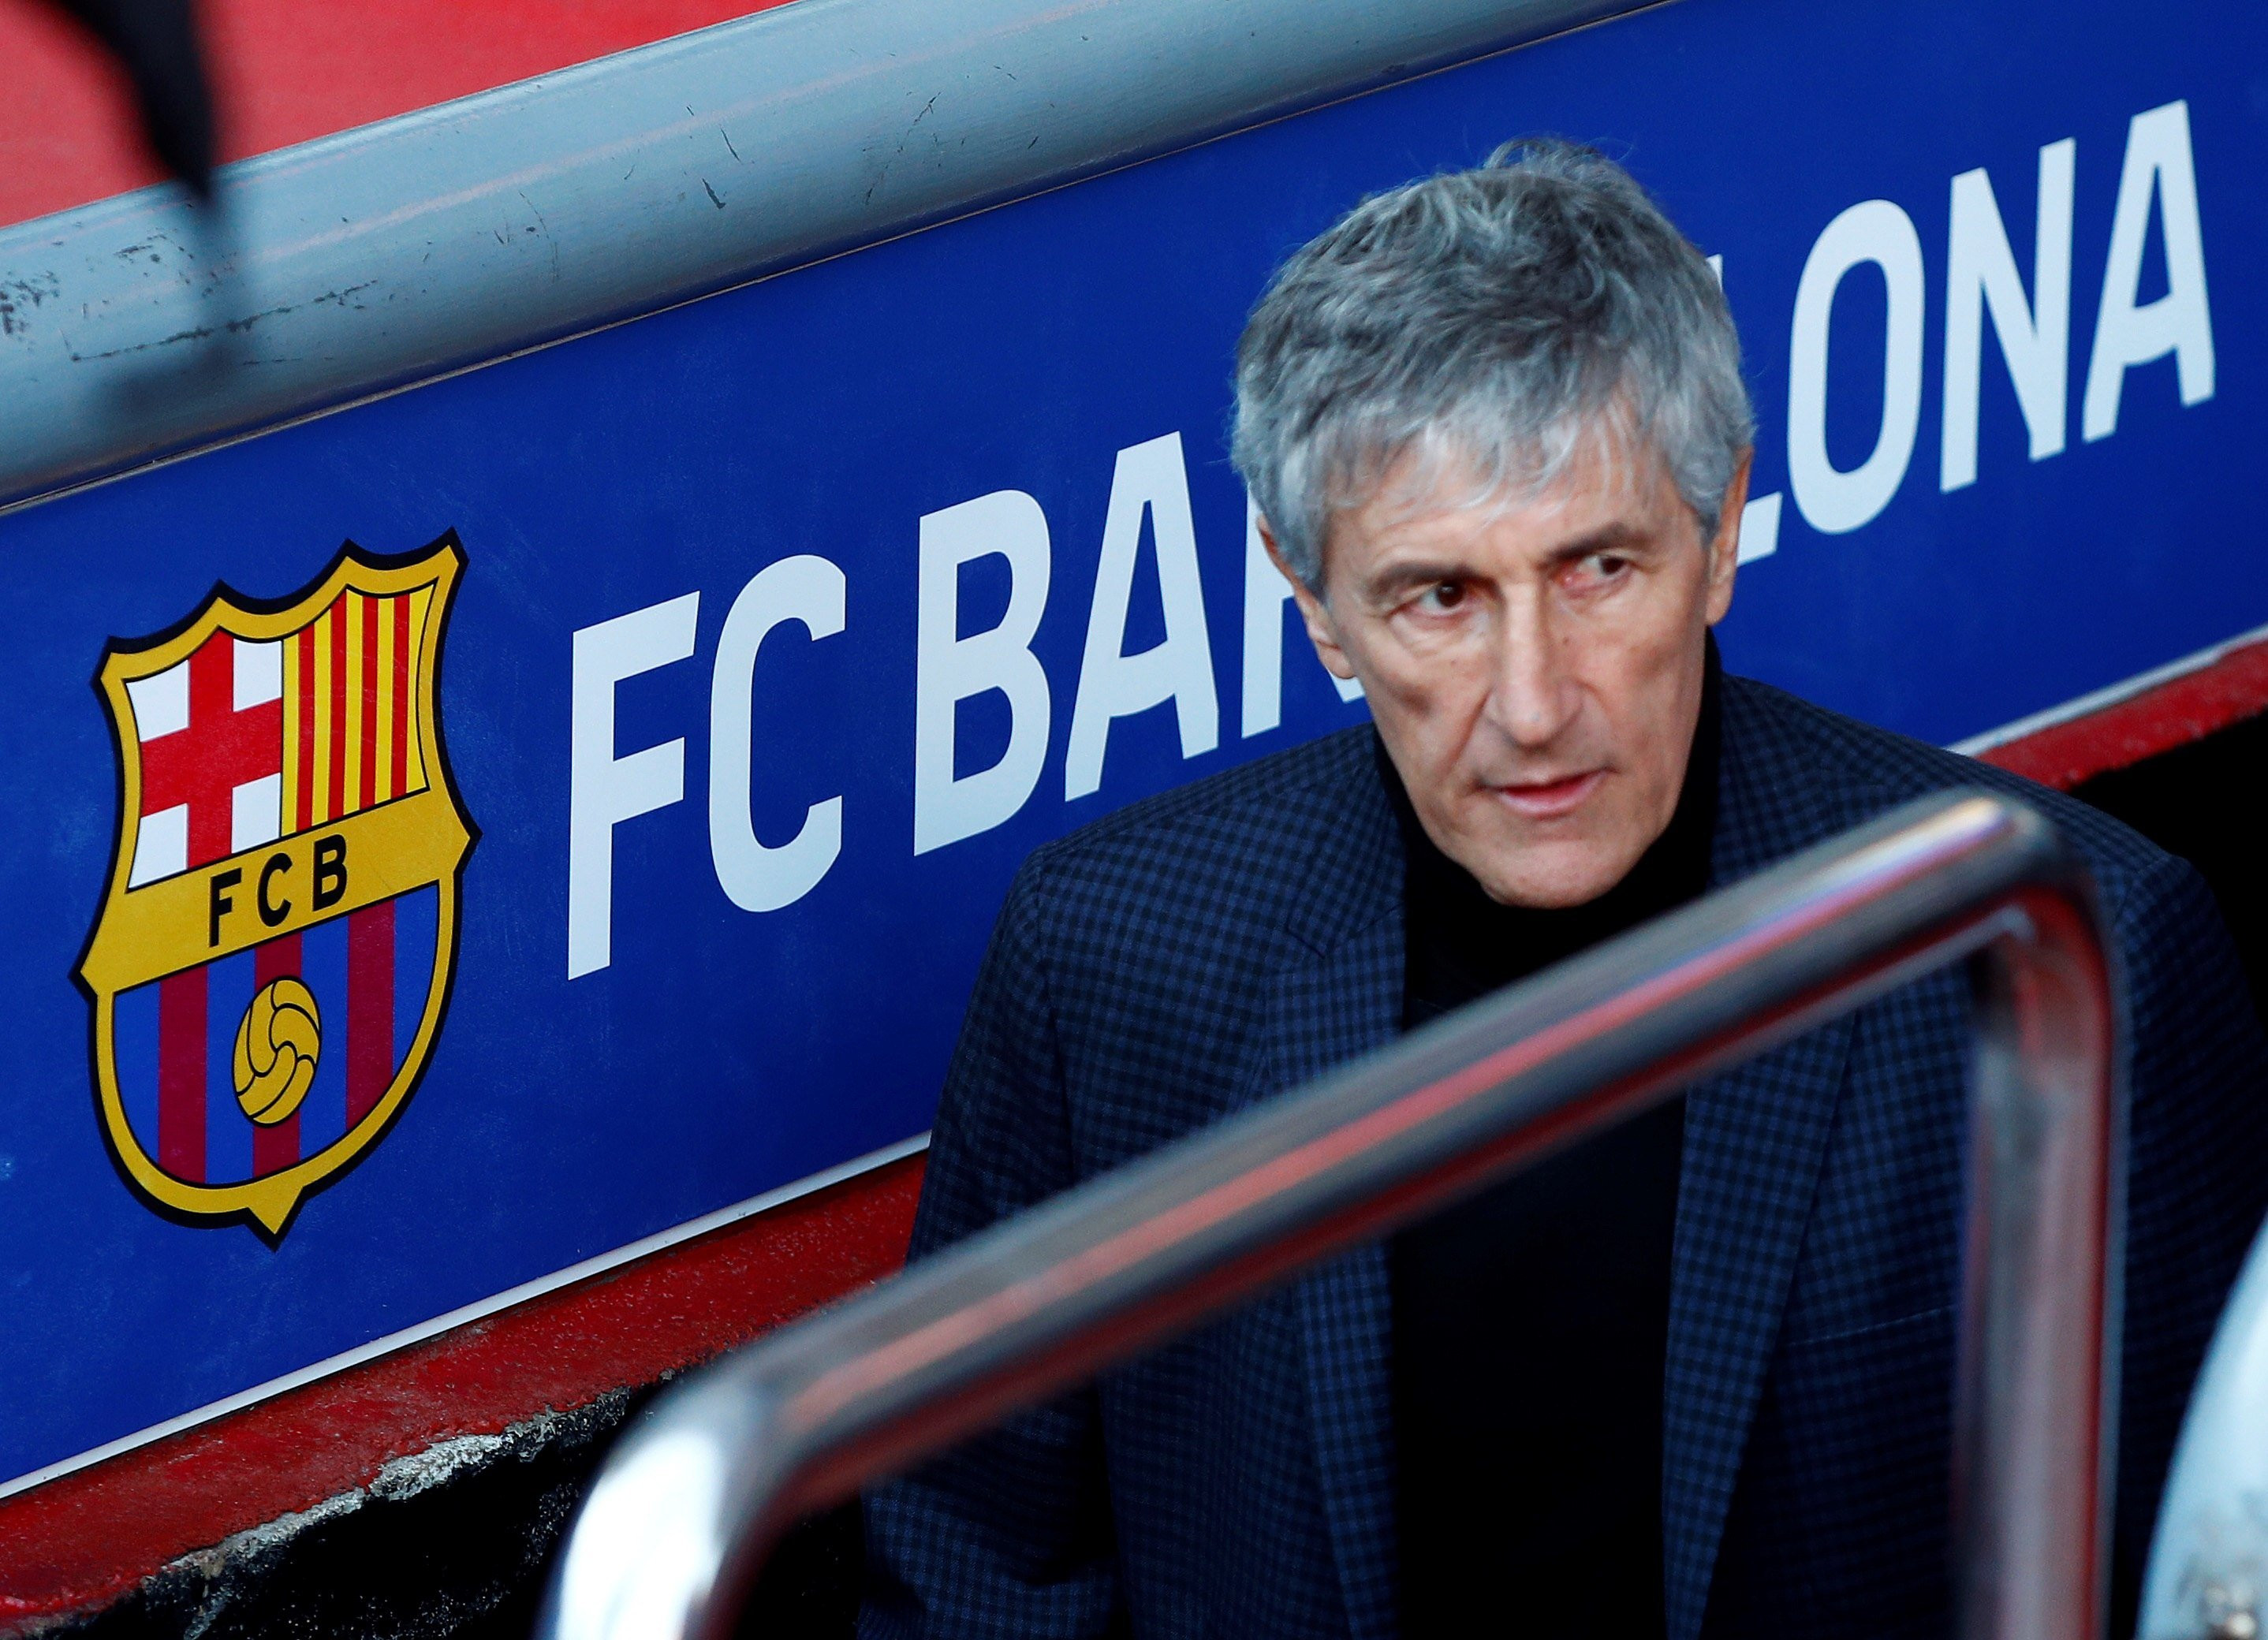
[
  {"x": 1754, "y": 1142},
  {"x": 1338, "y": 996},
  {"x": 1755, "y": 1139}
]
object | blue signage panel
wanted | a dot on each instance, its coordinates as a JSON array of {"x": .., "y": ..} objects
[{"x": 610, "y": 834}]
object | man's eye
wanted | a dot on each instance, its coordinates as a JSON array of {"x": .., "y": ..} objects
[
  {"x": 1442, "y": 596},
  {"x": 1599, "y": 568}
]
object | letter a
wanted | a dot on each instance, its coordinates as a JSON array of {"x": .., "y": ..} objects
[
  {"x": 1149, "y": 476},
  {"x": 2158, "y": 160}
]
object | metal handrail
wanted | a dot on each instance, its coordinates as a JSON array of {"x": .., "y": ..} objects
[{"x": 674, "y": 1530}]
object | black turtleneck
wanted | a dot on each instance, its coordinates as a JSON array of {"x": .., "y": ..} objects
[{"x": 1530, "y": 1323}]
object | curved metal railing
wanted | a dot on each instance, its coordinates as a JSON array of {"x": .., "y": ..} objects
[
  {"x": 677, "y": 1523},
  {"x": 469, "y": 230}
]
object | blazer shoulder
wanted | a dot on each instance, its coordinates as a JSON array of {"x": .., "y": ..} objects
[
  {"x": 1796, "y": 741},
  {"x": 1255, "y": 830}
]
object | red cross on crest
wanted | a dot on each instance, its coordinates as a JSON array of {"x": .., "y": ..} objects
[{"x": 223, "y": 766}]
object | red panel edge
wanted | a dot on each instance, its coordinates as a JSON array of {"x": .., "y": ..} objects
[
  {"x": 284, "y": 73},
  {"x": 2234, "y": 686},
  {"x": 86, "y": 1539}
]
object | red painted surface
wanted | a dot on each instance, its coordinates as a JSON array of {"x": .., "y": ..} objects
[
  {"x": 181, "y": 1072},
  {"x": 370, "y": 1007},
  {"x": 284, "y": 72},
  {"x": 2175, "y": 713},
  {"x": 83, "y": 1540},
  {"x": 80, "y": 1541}
]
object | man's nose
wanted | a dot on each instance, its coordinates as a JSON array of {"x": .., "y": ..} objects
[{"x": 1532, "y": 695}]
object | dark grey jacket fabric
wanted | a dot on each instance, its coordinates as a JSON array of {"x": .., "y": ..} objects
[{"x": 1222, "y": 942}]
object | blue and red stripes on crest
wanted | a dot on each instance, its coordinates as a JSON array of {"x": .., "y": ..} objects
[{"x": 370, "y": 972}]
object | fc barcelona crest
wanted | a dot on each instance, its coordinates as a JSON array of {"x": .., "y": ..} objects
[{"x": 273, "y": 957}]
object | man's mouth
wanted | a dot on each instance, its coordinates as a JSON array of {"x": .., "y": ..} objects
[{"x": 1549, "y": 799}]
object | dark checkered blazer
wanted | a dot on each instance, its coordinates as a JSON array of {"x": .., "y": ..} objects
[{"x": 1217, "y": 944}]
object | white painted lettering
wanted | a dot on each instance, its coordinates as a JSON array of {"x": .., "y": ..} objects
[
  {"x": 949, "y": 668},
  {"x": 2034, "y": 336},
  {"x": 1149, "y": 477},
  {"x": 603, "y": 790},
  {"x": 754, "y": 877},
  {"x": 1759, "y": 536},
  {"x": 2157, "y": 161},
  {"x": 1266, "y": 592},
  {"x": 1833, "y": 501}
]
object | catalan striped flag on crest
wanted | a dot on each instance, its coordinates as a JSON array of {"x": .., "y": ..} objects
[{"x": 347, "y": 690}]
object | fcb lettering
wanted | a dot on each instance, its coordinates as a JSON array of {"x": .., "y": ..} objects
[{"x": 271, "y": 962}]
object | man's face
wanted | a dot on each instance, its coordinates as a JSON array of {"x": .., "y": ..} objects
[{"x": 1534, "y": 666}]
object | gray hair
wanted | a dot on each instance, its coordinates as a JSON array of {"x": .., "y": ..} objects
[{"x": 1496, "y": 317}]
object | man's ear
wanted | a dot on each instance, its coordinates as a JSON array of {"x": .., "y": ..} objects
[
  {"x": 1725, "y": 548},
  {"x": 1313, "y": 613}
]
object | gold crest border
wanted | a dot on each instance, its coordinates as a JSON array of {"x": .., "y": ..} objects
[{"x": 269, "y": 1202}]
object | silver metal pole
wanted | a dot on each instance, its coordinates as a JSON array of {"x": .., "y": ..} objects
[
  {"x": 2037, "y": 1399},
  {"x": 397, "y": 251},
  {"x": 675, "y": 1527}
]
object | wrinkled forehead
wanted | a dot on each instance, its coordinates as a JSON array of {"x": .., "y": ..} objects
[{"x": 1588, "y": 474}]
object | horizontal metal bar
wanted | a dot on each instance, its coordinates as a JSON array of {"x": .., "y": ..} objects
[
  {"x": 420, "y": 244},
  {"x": 672, "y": 1532}
]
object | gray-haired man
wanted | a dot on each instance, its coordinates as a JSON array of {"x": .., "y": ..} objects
[{"x": 1693, "y": 1375}]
